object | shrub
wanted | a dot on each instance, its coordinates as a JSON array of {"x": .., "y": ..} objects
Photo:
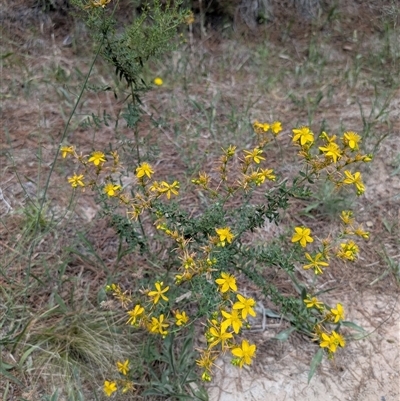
[{"x": 209, "y": 253}]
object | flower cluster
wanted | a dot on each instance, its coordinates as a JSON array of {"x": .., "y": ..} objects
[
  {"x": 318, "y": 261},
  {"x": 201, "y": 256},
  {"x": 98, "y": 3},
  {"x": 250, "y": 172},
  {"x": 345, "y": 250},
  {"x": 234, "y": 307},
  {"x": 99, "y": 170},
  {"x": 124, "y": 383},
  {"x": 92, "y": 165},
  {"x": 224, "y": 325},
  {"x": 329, "y": 340},
  {"x": 143, "y": 311},
  {"x": 333, "y": 157}
]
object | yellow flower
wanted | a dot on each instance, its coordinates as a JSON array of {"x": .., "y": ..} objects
[
  {"x": 338, "y": 339},
  {"x": 349, "y": 250},
  {"x": 113, "y": 287},
  {"x": 332, "y": 342},
  {"x": 110, "y": 189},
  {"x": 188, "y": 260},
  {"x": 179, "y": 278},
  {"x": 316, "y": 264},
  {"x": 155, "y": 187},
  {"x": 230, "y": 151},
  {"x": 206, "y": 377},
  {"x": 128, "y": 386},
  {"x": 203, "y": 180},
  {"x": 122, "y": 297},
  {"x": 276, "y": 127},
  {"x": 189, "y": 19},
  {"x": 97, "y": 158},
  {"x": 356, "y": 180},
  {"x": 304, "y": 134},
  {"x": 328, "y": 138},
  {"x": 314, "y": 303},
  {"x": 181, "y": 318},
  {"x": 226, "y": 282},
  {"x": 232, "y": 319},
  {"x": 134, "y": 314},
  {"x": 302, "y": 235},
  {"x": 338, "y": 313},
  {"x": 218, "y": 335},
  {"x": 264, "y": 174},
  {"x": 245, "y": 305},
  {"x": 346, "y": 217},
  {"x": 253, "y": 177},
  {"x": 123, "y": 367},
  {"x": 328, "y": 342},
  {"x": 255, "y": 155},
  {"x": 332, "y": 150},
  {"x": 76, "y": 180},
  {"x": 158, "y": 325},
  {"x": 66, "y": 150},
  {"x": 245, "y": 352},
  {"x": 159, "y": 293},
  {"x": 224, "y": 235},
  {"x": 98, "y": 3},
  {"x": 351, "y": 139},
  {"x": 169, "y": 189},
  {"x": 206, "y": 360},
  {"x": 263, "y": 127},
  {"x": 359, "y": 231},
  {"x": 144, "y": 169},
  {"x": 109, "y": 388},
  {"x": 158, "y": 81}
]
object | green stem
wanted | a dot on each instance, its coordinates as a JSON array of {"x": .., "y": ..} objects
[
  {"x": 138, "y": 159},
  {"x": 135, "y": 132},
  {"x": 42, "y": 201}
]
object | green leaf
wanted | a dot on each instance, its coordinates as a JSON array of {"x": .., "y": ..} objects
[
  {"x": 29, "y": 351},
  {"x": 270, "y": 313},
  {"x": 101, "y": 295},
  {"x": 284, "y": 335},
  {"x": 54, "y": 396},
  {"x": 10, "y": 376},
  {"x": 60, "y": 302},
  {"x": 315, "y": 363},
  {"x": 6, "y": 55},
  {"x": 353, "y": 326},
  {"x": 132, "y": 116},
  {"x": 4, "y": 367}
]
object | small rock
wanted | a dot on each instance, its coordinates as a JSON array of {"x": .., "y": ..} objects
[{"x": 67, "y": 42}]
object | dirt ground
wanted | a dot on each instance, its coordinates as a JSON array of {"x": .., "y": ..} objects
[{"x": 368, "y": 370}]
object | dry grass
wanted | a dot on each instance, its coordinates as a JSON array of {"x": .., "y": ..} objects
[{"x": 321, "y": 75}]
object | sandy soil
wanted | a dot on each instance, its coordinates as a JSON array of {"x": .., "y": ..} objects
[{"x": 367, "y": 370}]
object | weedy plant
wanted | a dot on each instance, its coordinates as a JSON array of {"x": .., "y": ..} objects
[{"x": 203, "y": 259}]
